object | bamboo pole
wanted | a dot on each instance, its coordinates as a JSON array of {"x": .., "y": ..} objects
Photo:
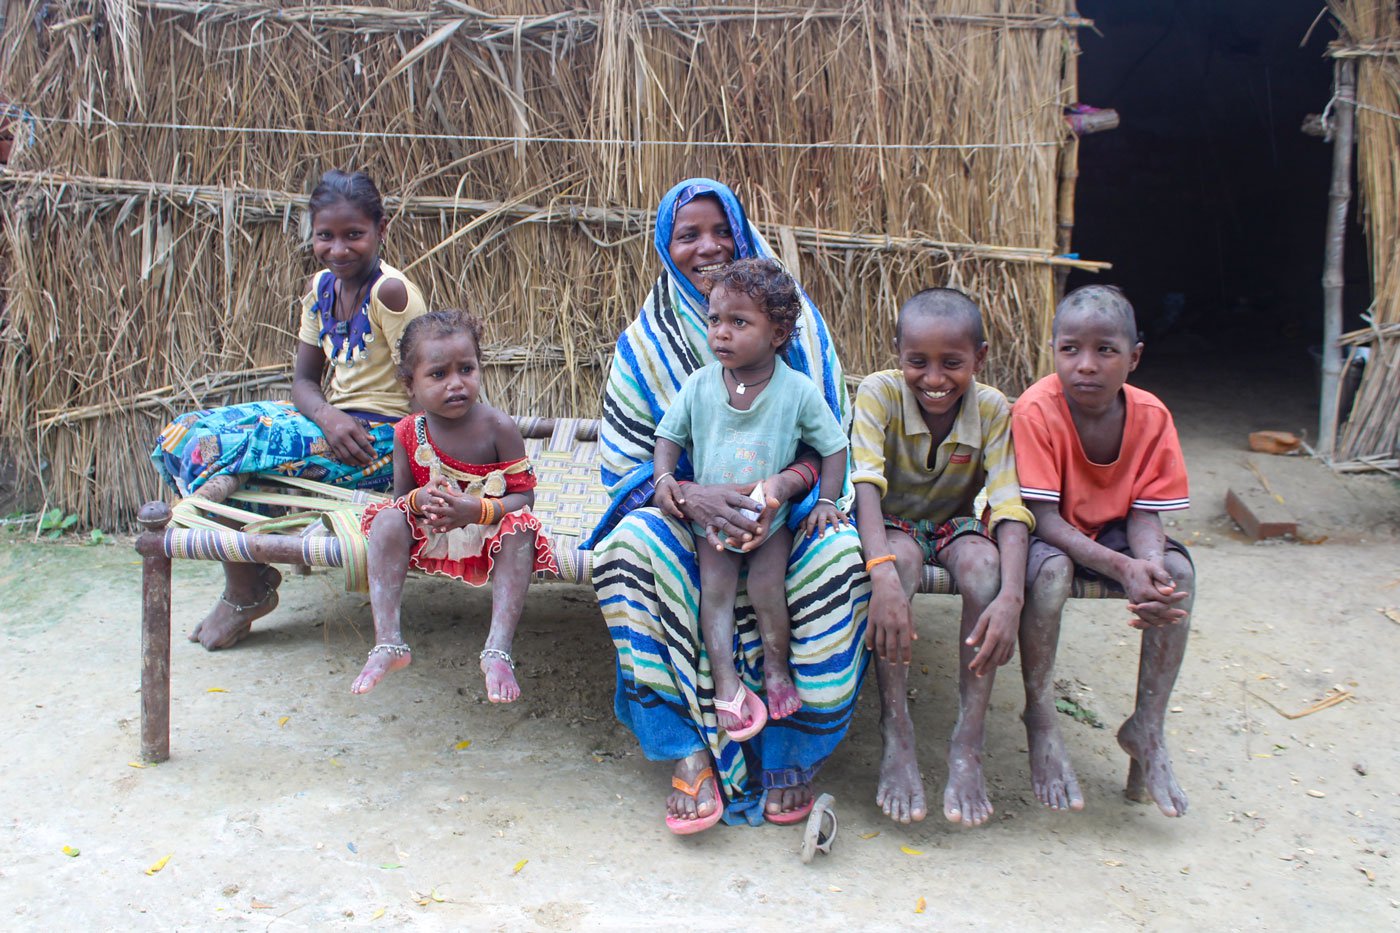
[{"x": 1339, "y": 200}]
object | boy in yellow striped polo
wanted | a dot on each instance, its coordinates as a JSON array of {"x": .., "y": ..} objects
[{"x": 925, "y": 440}]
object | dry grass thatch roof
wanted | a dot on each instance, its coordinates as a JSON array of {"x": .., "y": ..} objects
[{"x": 157, "y": 238}]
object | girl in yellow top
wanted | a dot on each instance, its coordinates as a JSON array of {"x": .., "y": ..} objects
[{"x": 352, "y": 317}]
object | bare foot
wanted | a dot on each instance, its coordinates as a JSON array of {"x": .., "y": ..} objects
[
  {"x": 684, "y": 807},
  {"x": 500, "y": 680},
  {"x": 782, "y": 693},
  {"x": 382, "y": 660},
  {"x": 787, "y": 799},
  {"x": 1150, "y": 777},
  {"x": 232, "y": 617},
  {"x": 965, "y": 798},
  {"x": 1052, "y": 777},
  {"x": 901, "y": 790}
]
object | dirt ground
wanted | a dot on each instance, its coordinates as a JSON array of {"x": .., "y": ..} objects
[{"x": 290, "y": 804}]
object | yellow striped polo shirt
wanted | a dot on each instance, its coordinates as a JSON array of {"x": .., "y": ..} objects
[{"x": 890, "y": 446}]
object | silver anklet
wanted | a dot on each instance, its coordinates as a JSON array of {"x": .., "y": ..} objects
[
  {"x": 397, "y": 651},
  {"x": 223, "y": 598},
  {"x": 497, "y": 653}
]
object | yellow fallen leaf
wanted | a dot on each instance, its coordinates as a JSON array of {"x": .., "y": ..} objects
[
  {"x": 519, "y": 865},
  {"x": 908, "y": 850},
  {"x": 436, "y": 896},
  {"x": 465, "y": 743},
  {"x": 870, "y": 835},
  {"x": 1113, "y": 863},
  {"x": 71, "y": 852},
  {"x": 216, "y": 690},
  {"x": 377, "y": 914},
  {"x": 833, "y": 889},
  {"x": 919, "y": 905},
  {"x": 158, "y": 865},
  {"x": 134, "y": 764},
  {"x": 337, "y": 763},
  {"x": 283, "y": 721}
]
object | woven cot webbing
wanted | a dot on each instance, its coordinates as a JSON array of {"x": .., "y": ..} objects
[{"x": 936, "y": 580}]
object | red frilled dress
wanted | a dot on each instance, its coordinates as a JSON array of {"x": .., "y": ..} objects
[{"x": 464, "y": 553}]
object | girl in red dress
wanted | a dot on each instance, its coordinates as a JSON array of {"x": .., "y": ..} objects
[{"x": 463, "y": 489}]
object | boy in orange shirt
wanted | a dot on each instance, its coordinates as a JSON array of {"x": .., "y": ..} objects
[{"x": 1098, "y": 461}]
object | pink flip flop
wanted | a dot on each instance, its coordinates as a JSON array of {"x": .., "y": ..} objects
[
  {"x": 758, "y": 713},
  {"x": 788, "y": 817},
  {"x": 699, "y": 824}
]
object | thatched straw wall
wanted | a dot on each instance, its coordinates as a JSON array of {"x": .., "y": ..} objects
[
  {"x": 1370, "y": 33},
  {"x": 158, "y": 242}
]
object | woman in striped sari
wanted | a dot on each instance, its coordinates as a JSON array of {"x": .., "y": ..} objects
[{"x": 645, "y": 570}]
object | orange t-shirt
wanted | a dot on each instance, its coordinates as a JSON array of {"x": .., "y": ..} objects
[{"x": 1149, "y": 473}]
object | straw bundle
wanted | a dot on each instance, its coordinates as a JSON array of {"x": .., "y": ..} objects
[
  {"x": 159, "y": 245},
  {"x": 1370, "y": 33}
]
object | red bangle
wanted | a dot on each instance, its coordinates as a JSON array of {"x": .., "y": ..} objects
[{"x": 804, "y": 473}]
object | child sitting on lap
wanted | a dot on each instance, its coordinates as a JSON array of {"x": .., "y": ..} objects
[
  {"x": 1098, "y": 461},
  {"x": 925, "y": 439},
  {"x": 740, "y": 419},
  {"x": 464, "y": 489}
]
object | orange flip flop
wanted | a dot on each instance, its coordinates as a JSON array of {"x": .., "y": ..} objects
[
  {"x": 758, "y": 713},
  {"x": 701, "y": 823}
]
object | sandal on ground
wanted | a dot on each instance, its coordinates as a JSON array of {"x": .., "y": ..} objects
[
  {"x": 758, "y": 713},
  {"x": 788, "y": 817},
  {"x": 687, "y": 827}
]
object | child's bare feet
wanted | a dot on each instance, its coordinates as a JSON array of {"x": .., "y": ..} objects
[
  {"x": 243, "y": 602},
  {"x": 383, "y": 659},
  {"x": 777, "y": 684},
  {"x": 1052, "y": 776},
  {"x": 965, "y": 797},
  {"x": 682, "y": 806},
  {"x": 1150, "y": 777},
  {"x": 901, "y": 790},
  {"x": 499, "y": 670}
]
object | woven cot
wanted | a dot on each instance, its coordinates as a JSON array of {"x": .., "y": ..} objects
[{"x": 322, "y": 529}]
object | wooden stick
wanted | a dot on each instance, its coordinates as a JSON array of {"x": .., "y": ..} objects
[
  {"x": 155, "y": 633},
  {"x": 1338, "y": 200}
]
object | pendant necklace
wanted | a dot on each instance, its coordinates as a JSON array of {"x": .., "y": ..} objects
[{"x": 742, "y": 387}]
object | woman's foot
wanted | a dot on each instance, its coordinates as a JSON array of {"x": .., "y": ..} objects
[
  {"x": 777, "y": 684},
  {"x": 499, "y": 671},
  {"x": 246, "y": 598},
  {"x": 383, "y": 659},
  {"x": 683, "y": 807},
  {"x": 784, "y": 801}
]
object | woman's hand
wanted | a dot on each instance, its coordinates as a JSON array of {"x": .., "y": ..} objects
[
  {"x": 726, "y": 512},
  {"x": 349, "y": 441},
  {"x": 446, "y": 507}
]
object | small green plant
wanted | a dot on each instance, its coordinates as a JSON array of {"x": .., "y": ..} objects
[
  {"x": 53, "y": 523},
  {"x": 98, "y": 536},
  {"x": 1080, "y": 713}
]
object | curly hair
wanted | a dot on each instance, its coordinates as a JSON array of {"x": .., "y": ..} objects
[
  {"x": 435, "y": 325},
  {"x": 768, "y": 283}
]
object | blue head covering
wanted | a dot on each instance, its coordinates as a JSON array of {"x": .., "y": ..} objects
[{"x": 677, "y": 198}]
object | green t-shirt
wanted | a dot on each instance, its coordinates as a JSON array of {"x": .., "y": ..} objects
[{"x": 726, "y": 445}]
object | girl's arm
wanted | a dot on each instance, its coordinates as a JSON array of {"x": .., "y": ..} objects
[
  {"x": 826, "y": 514},
  {"x": 403, "y": 470},
  {"x": 348, "y": 439}
]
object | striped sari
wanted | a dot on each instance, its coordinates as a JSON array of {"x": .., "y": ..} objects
[{"x": 648, "y": 580}]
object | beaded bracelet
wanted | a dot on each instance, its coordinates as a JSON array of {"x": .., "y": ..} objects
[{"x": 877, "y": 561}]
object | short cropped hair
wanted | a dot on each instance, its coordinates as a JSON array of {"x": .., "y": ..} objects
[
  {"x": 356, "y": 188},
  {"x": 1105, "y": 301},
  {"x": 768, "y": 283},
  {"x": 946, "y": 304},
  {"x": 436, "y": 325}
]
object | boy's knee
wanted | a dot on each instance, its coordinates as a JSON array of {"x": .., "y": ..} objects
[
  {"x": 979, "y": 573},
  {"x": 1183, "y": 573},
  {"x": 1051, "y": 586}
]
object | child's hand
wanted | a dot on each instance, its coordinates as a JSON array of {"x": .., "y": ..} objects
[
  {"x": 1152, "y": 595},
  {"x": 994, "y": 636},
  {"x": 889, "y": 627},
  {"x": 667, "y": 497},
  {"x": 823, "y": 517},
  {"x": 446, "y": 507}
]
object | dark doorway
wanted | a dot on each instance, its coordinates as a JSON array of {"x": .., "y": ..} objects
[{"x": 1208, "y": 199}]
